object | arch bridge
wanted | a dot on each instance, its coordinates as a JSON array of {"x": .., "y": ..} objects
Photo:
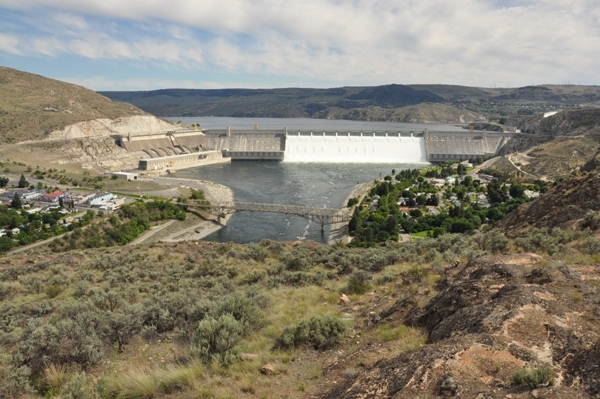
[{"x": 321, "y": 216}]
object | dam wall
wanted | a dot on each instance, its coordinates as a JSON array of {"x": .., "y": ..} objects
[
  {"x": 443, "y": 146},
  {"x": 181, "y": 161},
  {"x": 355, "y": 147},
  {"x": 300, "y": 146},
  {"x": 160, "y": 145},
  {"x": 263, "y": 145}
]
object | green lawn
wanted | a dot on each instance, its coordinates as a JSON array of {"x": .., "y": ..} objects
[{"x": 421, "y": 233}]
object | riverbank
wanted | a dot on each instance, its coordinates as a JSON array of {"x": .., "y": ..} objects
[
  {"x": 339, "y": 231},
  {"x": 183, "y": 231}
]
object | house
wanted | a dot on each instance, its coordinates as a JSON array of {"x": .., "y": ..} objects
[
  {"x": 53, "y": 196},
  {"x": 34, "y": 210},
  {"x": 16, "y": 230},
  {"x": 110, "y": 205},
  {"x": 31, "y": 195}
]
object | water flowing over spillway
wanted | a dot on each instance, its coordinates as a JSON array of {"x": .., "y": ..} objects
[{"x": 355, "y": 147}]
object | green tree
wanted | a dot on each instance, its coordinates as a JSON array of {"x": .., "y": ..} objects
[
  {"x": 16, "y": 202},
  {"x": 3, "y": 182},
  {"x": 22, "y": 182}
]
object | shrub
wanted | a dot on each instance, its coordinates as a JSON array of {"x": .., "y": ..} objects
[
  {"x": 358, "y": 283},
  {"x": 52, "y": 291},
  {"x": 76, "y": 389},
  {"x": 14, "y": 379},
  {"x": 242, "y": 310},
  {"x": 321, "y": 332},
  {"x": 534, "y": 378},
  {"x": 216, "y": 339}
]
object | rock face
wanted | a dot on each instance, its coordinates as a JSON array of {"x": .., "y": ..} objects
[
  {"x": 496, "y": 315},
  {"x": 100, "y": 154},
  {"x": 134, "y": 125}
]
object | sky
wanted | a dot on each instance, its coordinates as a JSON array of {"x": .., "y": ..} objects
[{"x": 208, "y": 44}]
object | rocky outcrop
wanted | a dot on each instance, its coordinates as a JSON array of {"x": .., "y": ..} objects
[
  {"x": 134, "y": 125},
  {"x": 495, "y": 316},
  {"x": 99, "y": 154}
]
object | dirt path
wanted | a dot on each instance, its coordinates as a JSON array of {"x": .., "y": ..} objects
[{"x": 151, "y": 232}]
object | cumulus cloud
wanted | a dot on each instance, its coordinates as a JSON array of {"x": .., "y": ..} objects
[{"x": 474, "y": 42}]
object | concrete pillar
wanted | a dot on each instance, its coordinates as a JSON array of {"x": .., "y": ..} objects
[{"x": 228, "y": 132}]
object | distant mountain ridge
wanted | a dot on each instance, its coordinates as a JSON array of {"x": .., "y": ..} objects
[{"x": 368, "y": 102}]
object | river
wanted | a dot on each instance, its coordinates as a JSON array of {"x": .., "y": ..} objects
[{"x": 307, "y": 184}]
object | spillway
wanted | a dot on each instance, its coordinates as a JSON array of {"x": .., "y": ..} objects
[{"x": 356, "y": 147}]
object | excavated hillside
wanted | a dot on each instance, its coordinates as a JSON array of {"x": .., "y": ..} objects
[
  {"x": 494, "y": 316},
  {"x": 565, "y": 123},
  {"x": 557, "y": 145},
  {"x": 32, "y": 106},
  {"x": 563, "y": 206}
]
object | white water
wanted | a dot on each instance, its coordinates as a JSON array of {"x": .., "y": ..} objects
[{"x": 363, "y": 148}]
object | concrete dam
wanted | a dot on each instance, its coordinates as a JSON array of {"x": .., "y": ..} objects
[{"x": 180, "y": 149}]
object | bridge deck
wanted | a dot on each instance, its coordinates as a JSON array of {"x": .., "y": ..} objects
[{"x": 321, "y": 216}]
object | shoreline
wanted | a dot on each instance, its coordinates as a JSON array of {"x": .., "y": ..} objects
[
  {"x": 215, "y": 193},
  {"x": 339, "y": 231}
]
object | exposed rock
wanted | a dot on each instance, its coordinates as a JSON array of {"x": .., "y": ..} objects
[
  {"x": 448, "y": 386},
  {"x": 489, "y": 322},
  {"x": 134, "y": 125},
  {"x": 344, "y": 300},
  {"x": 267, "y": 369}
]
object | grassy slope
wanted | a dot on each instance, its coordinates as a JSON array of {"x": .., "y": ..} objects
[{"x": 32, "y": 106}]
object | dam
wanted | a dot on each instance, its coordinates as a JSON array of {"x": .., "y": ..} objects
[{"x": 185, "y": 148}]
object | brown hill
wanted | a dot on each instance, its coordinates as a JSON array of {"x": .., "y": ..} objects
[{"x": 32, "y": 106}]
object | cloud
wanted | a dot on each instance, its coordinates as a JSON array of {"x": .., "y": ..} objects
[
  {"x": 475, "y": 42},
  {"x": 9, "y": 43}
]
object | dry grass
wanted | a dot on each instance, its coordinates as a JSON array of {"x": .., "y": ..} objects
[
  {"x": 55, "y": 377},
  {"x": 148, "y": 383}
]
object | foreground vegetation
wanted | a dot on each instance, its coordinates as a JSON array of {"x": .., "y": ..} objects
[{"x": 204, "y": 317}]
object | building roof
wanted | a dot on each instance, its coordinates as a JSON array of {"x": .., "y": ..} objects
[{"x": 54, "y": 194}]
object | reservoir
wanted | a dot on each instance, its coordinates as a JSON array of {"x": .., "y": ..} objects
[{"x": 319, "y": 184}]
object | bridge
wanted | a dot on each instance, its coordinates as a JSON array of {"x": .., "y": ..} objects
[{"x": 321, "y": 216}]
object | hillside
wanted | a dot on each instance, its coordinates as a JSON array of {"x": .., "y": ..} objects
[
  {"x": 565, "y": 206},
  {"x": 32, "y": 106},
  {"x": 421, "y": 113},
  {"x": 474, "y": 316}
]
